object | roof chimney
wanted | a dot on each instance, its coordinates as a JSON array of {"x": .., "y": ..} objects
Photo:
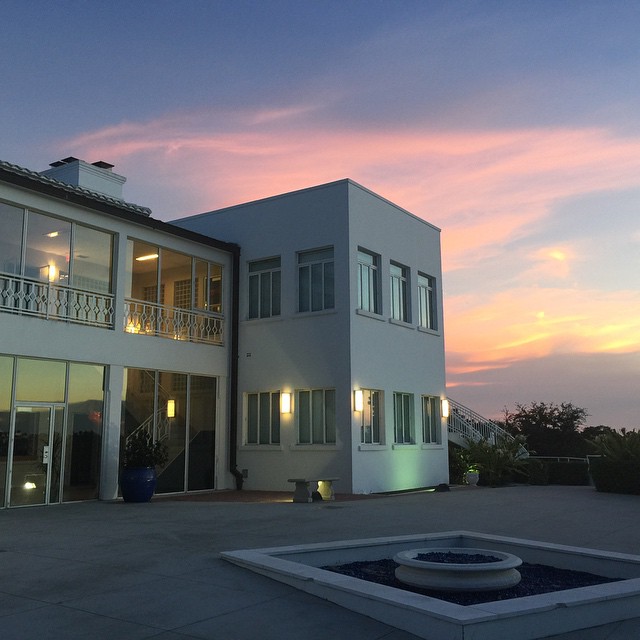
[{"x": 97, "y": 176}]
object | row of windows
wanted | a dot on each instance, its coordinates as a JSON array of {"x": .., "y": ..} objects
[
  {"x": 315, "y": 284},
  {"x": 316, "y": 287},
  {"x": 316, "y": 417},
  {"x": 370, "y": 293}
]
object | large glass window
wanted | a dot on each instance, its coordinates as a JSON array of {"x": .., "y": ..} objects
[
  {"x": 264, "y": 288},
  {"x": 315, "y": 280},
  {"x": 202, "y": 432},
  {"x": 403, "y": 418},
  {"x": 56, "y": 269},
  {"x": 263, "y": 418},
  {"x": 48, "y": 249},
  {"x": 84, "y": 432},
  {"x": 6, "y": 383},
  {"x": 57, "y": 431},
  {"x": 173, "y": 295},
  {"x": 11, "y": 220},
  {"x": 431, "y": 429},
  {"x": 179, "y": 410},
  {"x": 427, "y": 302},
  {"x": 399, "y": 302},
  {"x": 370, "y": 430},
  {"x": 316, "y": 409},
  {"x": 368, "y": 285}
]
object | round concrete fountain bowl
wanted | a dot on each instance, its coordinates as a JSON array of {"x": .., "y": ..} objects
[{"x": 463, "y": 576}]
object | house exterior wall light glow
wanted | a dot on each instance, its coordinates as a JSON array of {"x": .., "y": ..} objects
[
  {"x": 358, "y": 400},
  {"x": 285, "y": 402},
  {"x": 445, "y": 408}
]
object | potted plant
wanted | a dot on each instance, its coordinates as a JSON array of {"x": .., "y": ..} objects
[
  {"x": 140, "y": 457},
  {"x": 472, "y": 475}
]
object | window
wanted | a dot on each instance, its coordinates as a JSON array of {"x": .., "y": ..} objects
[
  {"x": 431, "y": 431},
  {"x": 315, "y": 280},
  {"x": 317, "y": 416},
  {"x": 368, "y": 292},
  {"x": 399, "y": 301},
  {"x": 427, "y": 302},
  {"x": 263, "y": 418},
  {"x": 370, "y": 431},
  {"x": 403, "y": 418},
  {"x": 264, "y": 288}
]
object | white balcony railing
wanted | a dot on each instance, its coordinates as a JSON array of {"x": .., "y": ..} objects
[
  {"x": 54, "y": 301},
  {"x": 151, "y": 319}
]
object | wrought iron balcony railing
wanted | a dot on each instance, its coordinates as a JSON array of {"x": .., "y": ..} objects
[
  {"x": 151, "y": 319},
  {"x": 54, "y": 301}
]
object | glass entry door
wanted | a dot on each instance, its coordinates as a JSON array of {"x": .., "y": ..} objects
[{"x": 36, "y": 454}]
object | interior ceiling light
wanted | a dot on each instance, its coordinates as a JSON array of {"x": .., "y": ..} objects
[{"x": 151, "y": 256}]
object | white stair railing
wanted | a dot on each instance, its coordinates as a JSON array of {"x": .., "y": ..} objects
[{"x": 465, "y": 424}]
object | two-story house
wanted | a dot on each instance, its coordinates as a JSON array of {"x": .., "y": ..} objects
[{"x": 295, "y": 336}]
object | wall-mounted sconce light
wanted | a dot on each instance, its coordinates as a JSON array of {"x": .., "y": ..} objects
[
  {"x": 285, "y": 402},
  {"x": 358, "y": 400},
  {"x": 445, "y": 408},
  {"x": 171, "y": 408}
]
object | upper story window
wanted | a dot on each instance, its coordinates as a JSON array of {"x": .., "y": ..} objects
[
  {"x": 427, "y": 302},
  {"x": 173, "y": 295},
  {"x": 55, "y": 268},
  {"x": 264, "y": 288},
  {"x": 399, "y": 287},
  {"x": 316, "y": 409},
  {"x": 368, "y": 281},
  {"x": 315, "y": 280}
]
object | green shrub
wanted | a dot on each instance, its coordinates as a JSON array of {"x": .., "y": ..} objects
[
  {"x": 499, "y": 462},
  {"x": 537, "y": 472},
  {"x": 618, "y": 468},
  {"x": 568, "y": 473},
  {"x": 458, "y": 464}
]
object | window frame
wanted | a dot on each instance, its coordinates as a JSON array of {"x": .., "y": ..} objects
[
  {"x": 263, "y": 274},
  {"x": 404, "y": 428},
  {"x": 427, "y": 307},
  {"x": 314, "y": 296},
  {"x": 399, "y": 295},
  {"x": 323, "y": 425},
  {"x": 431, "y": 420},
  {"x": 372, "y": 417},
  {"x": 267, "y": 427},
  {"x": 369, "y": 275}
]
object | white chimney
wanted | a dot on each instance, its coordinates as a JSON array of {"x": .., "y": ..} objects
[{"x": 97, "y": 176}]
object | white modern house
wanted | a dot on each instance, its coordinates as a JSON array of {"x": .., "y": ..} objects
[
  {"x": 341, "y": 349},
  {"x": 298, "y": 336}
]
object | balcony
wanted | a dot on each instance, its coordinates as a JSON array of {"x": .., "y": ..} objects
[
  {"x": 146, "y": 318},
  {"x": 55, "y": 301}
]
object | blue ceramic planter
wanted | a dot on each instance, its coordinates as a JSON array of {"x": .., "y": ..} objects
[{"x": 138, "y": 484}]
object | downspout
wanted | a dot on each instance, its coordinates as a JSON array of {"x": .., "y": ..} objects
[{"x": 233, "y": 373}]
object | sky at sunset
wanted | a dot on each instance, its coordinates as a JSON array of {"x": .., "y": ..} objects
[{"x": 514, "y": 126}]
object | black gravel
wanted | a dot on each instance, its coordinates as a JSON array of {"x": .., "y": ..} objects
[
  {"x": 450, "y": 557},
  {"x": 536, "y": 579}
]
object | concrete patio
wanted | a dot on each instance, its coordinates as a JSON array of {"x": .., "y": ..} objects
[{"x": 118, "y": 571}]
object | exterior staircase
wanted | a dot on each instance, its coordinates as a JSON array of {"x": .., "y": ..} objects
[{"x": 465, "y": 424}]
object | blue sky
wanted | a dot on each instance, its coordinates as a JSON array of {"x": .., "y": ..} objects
[{"x": 511, "y": 125}]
